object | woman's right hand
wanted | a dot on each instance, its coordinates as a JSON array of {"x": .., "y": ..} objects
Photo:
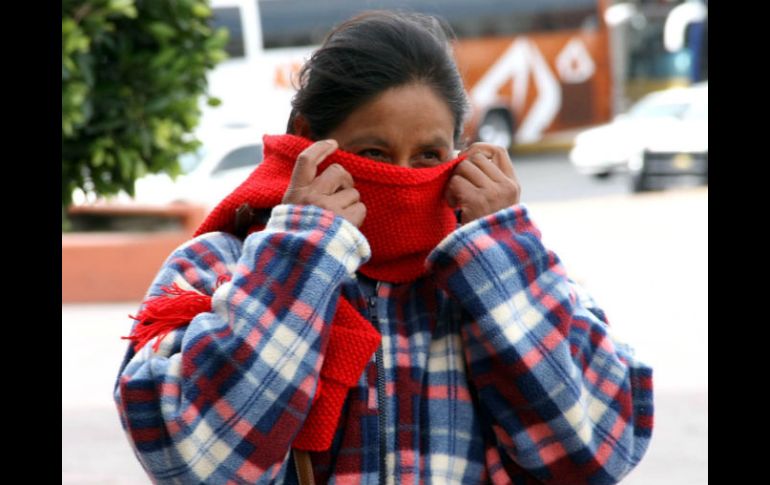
[{"x": 332, "y": 189}]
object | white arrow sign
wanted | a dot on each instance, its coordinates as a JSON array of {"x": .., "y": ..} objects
[{"x": 521, "y": 58}]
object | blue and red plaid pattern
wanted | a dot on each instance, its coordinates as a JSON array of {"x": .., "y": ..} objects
[{"x": 497, "y": 368}]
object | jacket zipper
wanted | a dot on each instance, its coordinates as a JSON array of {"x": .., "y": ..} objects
[{"x": 381, "y": 421}]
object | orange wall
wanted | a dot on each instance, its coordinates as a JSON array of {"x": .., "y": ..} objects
[{"x": 119, "y": 266}]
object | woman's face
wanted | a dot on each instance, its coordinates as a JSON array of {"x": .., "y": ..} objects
[{"x": 408, "y": 126}]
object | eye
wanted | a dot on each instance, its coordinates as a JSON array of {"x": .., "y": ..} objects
[
  {"x": 428, "y": 158},
  {"x": 373, "y": 153}
]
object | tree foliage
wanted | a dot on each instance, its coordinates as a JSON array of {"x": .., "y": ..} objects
[{"x": 133, "y": 72}]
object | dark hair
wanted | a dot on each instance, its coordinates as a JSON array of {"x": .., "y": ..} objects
[{"x": 369, "y": 54}]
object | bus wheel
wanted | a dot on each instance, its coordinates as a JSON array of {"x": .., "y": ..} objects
[{"x": 497, "y": 129}]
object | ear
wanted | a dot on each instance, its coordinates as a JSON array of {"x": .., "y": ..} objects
[{"x": 300, "y": 126}]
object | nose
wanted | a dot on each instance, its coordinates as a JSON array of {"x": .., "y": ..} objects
[
  {"x": 401, "y": 159},
  {"x": 402, "y": 162}
]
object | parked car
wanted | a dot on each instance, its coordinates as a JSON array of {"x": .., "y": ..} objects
[
  {"x": 225, "y": 159},
  {"x": 662, "y": 138}
]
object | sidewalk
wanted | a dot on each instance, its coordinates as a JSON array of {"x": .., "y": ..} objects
[{"x": 94, "y": 449}]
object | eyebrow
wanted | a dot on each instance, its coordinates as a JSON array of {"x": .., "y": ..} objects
[{"x": 438, "y": 141}]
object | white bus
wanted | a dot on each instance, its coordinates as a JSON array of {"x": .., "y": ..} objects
[
  {"x": 254, "y": 83},
  {"x": 531, "y": 67}
]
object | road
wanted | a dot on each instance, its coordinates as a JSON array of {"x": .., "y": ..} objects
[
  {"x": 550, "y": 177},
  {"x": 643, "y": 257}
]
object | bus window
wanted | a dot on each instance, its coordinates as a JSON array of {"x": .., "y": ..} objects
[
  {"x": 283, "y": 26},
  {"x": 230, "y": 18},
  {"x": 667, "y": 47},
  {"x": 651, "y": 60}
]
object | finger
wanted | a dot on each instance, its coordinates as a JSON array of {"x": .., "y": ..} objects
[
  {"x": 333, "y": 179},
  {"x": 459, "y": 191},
  {"x": 307, "y": 162},
  {"x": 498, "y": 155},
  {"x": 469, "y": 170},
  {"x": 489, "y": 167},
  {"x": 464, "y": 193},
  {"x": 345, "y": 198},
  {"x": 355, "y": 214},
  {"x": 503, "y": 162},
  {"x": 485, "y": 149}
]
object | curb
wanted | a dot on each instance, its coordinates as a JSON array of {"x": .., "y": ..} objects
[
  {"x": 543, "y": 147},
  {"x": 558, "y": 142}
]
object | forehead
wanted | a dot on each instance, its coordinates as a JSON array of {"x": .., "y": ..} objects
[{"x": 406, "y": 113}]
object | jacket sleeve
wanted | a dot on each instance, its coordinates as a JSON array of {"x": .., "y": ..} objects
[
  {"x": 566, "y": 402},
  {"x": 223, "y": 397}
]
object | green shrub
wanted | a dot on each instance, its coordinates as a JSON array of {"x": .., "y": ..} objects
[{"x": 133, "y": 72}]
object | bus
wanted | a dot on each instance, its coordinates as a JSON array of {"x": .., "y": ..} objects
[{"x": 531, "y": 67}]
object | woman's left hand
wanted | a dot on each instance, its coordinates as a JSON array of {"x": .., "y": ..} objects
[{"x": 483, "y": 183}]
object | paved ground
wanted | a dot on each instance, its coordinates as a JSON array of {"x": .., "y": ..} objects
[{"x": 643, "y": 257}]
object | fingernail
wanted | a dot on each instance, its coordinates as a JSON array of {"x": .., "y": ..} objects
[{"x": 331, "y": 142}]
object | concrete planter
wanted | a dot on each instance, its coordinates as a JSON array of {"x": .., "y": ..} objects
[{"x": 119, "y": 266}]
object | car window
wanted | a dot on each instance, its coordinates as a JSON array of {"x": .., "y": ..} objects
[
  {"x": 189, "y": 161},
  {"x": 245, "y": 156}
]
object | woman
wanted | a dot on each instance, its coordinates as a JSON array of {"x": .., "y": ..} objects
[{"x": 332, "y": 319}]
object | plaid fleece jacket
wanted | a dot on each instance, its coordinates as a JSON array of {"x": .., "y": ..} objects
[{"x": 493, "y": 368}]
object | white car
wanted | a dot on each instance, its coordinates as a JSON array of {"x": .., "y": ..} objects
[
  {"x": 663, "y": 136},
  {"x": 225, "y": 159}
]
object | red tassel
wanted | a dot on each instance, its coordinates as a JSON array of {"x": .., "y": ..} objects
[{"x": 165, "y": 313}]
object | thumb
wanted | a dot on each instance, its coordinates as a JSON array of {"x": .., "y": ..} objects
[{"x": 305, "y": 168}]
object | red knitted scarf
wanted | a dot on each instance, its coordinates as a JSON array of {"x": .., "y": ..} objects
[
  {"x": 406, "y": 215},
  {"x": 406, "y": 218}
]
